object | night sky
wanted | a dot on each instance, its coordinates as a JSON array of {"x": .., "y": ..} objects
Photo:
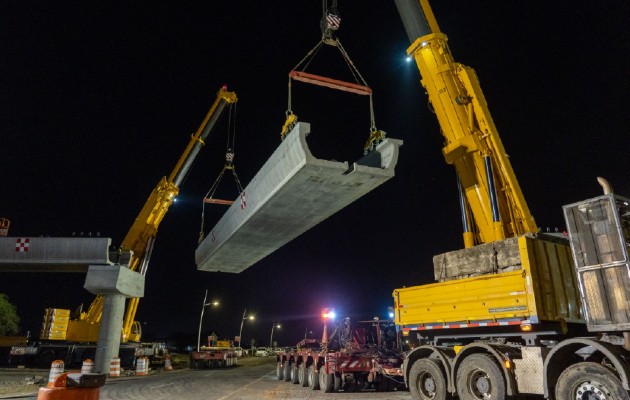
[{"x": 98, "y": 100}]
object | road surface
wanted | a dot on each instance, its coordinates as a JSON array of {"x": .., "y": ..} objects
[{"x": 253, "y": 379}]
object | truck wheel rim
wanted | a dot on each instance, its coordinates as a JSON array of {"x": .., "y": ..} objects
[
  {"x": 479, "y": 385},
  {"x": 427, "y": 385},
  {"x": 592, "y": 390}
]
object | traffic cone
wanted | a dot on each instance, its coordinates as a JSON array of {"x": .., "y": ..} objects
[
  {"x": 56, "y": 369},
  {"x": 167, "y": 363}
]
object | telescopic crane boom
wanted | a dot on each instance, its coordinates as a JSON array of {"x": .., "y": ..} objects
[
  {"x": 493, "y": 206},
  {"x": 141, "y": 235}
]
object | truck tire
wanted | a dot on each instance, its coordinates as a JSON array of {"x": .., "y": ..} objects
[
  {"x": 280, "y": 370},
  {"x": 337, "y": 382},
  {"x": 302, "y": 375},
  {"x": 427, "y": 381},
  {"x": 287, "y": 371},
  {"x": 295, "y": 373},
  {"x": 313, "y": 378},
  {"x": 592, "y": 381},
  {"x": 326, "y": 381},
  {"x": 479, "y": 378}
]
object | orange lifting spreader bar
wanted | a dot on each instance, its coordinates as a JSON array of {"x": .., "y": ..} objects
[
  {"x": 218, "y": 201},
  {"x": 330, "y": 83}
]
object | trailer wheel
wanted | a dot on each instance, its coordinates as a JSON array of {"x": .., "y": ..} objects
[
  {"x": 479, "y": 378},
  {"x": 426, "y": 381},
  {"x": 326, "y": 381},
  {"x": 280, "y": 370},
  {"x": 313, "y": 378},
  {"x": 337, "y": 382},
  {"x": 287, "y": 371},
  {"x": 302, "y": 375},
  {"x": 387, "y": 385},
  {"x": 295, "y": 373},
  {"x": 588, "y": 380}
]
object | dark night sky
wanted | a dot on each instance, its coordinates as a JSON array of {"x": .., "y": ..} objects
[{"x": 97, "y": 102}]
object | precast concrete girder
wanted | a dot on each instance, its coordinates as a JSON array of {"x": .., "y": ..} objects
[
  {"x": 290, "y": 194},
  {"x": 52, "y": 254}
]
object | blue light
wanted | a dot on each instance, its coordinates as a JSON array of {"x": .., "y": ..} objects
[{"x": 408, "y": 59}]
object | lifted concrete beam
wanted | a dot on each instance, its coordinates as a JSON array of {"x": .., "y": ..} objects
[
  {"x": 46, "y": 254},
  {"x": 291, "y": 193}
]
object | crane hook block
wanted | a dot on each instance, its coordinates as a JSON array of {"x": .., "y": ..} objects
[{"x": 330, "y": 83}]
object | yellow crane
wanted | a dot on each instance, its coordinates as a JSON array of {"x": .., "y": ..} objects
[
  {"x": 141, "y": 235},
  {"x": 516, "y": 312},
  {"x": 493, "y": 206}
]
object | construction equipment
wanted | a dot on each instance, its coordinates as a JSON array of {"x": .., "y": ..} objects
[
  {"x": 217, "y": 354},
  {"x": 516, "y": 312},
  {"x": 354, "y": 357},
  {"x": 76, "y": 336}
]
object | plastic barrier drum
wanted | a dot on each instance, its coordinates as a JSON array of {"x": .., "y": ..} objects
[
  {"x": 56, "y": 369},
  {"x": 114, "y": 367},
  {"x": 142, "y": 366},
  {"x": 87, "y": 367}
]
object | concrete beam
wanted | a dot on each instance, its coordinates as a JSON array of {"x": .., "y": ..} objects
[
  {"x": 291, "y": 193},
  {"x": 46, "y": 254}
]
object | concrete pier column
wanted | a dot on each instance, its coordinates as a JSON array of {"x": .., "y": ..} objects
[
  {"x": 109, "y": 332},
  {"x": 115, "y": 283}
]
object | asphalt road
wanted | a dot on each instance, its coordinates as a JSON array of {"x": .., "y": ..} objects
[{"x": 253, "y": 378}]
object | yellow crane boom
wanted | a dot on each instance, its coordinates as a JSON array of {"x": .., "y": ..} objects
[
  {"x": 141, "y": 235},
  {"x": 493, "y": 206}
]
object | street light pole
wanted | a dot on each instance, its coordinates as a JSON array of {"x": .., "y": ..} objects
[
  {"x": 203, "y": 307},
  {"x": 240, "y": 333},
  {"x": 271, "y": 337}
]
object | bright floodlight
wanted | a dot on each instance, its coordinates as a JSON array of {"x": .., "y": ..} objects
[
  {"x": 408, "y": 59},
  {"x": 328, "y": 314}
]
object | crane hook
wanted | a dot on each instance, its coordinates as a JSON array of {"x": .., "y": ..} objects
[{"x": 330, "y": 22}]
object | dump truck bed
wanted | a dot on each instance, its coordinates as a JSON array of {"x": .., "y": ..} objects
[{"x": 542, "y": 288}]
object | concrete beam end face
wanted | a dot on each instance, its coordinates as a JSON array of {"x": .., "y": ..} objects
[{"x": 114, "y": 279}]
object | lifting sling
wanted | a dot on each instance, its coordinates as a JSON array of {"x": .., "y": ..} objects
[
  {"x": 329, "y": 25},
  {"x": 228, "y": 166}
]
